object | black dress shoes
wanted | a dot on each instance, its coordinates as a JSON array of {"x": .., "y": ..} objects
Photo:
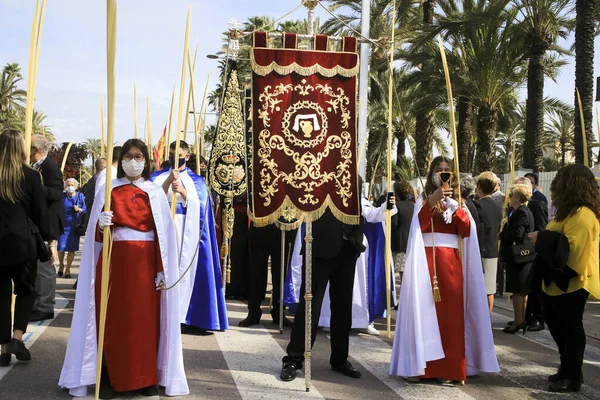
[
  {"x": 565, "y": 386},
  {"x": 348, "y": 370},
  {"x": 18, "y": 348},
  {"x": 249, "y": 321},
  {"x": 536, "y": 326},
  {"x": 288, "y": 372},
  {"x": 150, "y": 391},
  {"x": 40, "y": 316},
  {"x": 5, "y": 359}
]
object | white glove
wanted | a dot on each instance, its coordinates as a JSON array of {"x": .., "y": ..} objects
[
  {"x": 105, "y": 219},
  {"x": 160, "y": 278},
  {"x": 451, "y": 207}
]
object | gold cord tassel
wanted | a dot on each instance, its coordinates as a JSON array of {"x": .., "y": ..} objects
[
  {"x": 436, "y": 290},
  {"x": 437, "y": 297}
]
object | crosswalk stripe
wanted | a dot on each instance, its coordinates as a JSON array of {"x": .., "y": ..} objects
[
  {"x": 374, "y": 355},
  {"x": 253, "y": 361}
]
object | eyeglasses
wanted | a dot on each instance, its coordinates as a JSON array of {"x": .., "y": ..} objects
[{"x": 136, "y": 157}]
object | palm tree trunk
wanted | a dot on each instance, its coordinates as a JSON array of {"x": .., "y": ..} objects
[
  {"x": 534, "y": 123},
  {"x": 465, "y": 132},
  {"x": 562, "y": 151},
  {"x": 487, "y": 124},
  {"x": 401, "y": 147},
  {"x": 584, "y": 72},
  {"x": 424, "y": 130}
]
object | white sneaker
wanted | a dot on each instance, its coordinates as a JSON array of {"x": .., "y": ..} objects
[{"x": 370, "y": 330}]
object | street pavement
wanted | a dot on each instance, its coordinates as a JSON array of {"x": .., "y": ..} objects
[{"x": 244, "y": 363}]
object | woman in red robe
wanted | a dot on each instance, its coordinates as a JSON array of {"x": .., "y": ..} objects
[
  {"x": 132, "y": 329},
  {"x": 445, "y": 269}
]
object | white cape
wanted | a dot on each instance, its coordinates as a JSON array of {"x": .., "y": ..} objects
[
  {"x": 79, "y": 368},
  {"x": 187, "y": 228},
  {"x": 360, "y": 303},
  {"x": 417, "y": 339}
]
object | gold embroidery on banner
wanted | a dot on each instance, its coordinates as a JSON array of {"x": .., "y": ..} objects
[
  {"x": 309, "y": 119},
  {"x": 304, "y": 71},
  {"x": 228, "y": 156}
]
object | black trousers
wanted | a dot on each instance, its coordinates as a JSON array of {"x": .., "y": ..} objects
[
  {"x": 23, "y": 277},
  {"x": 564, "y": 317},
  {"x": 257, "y": 276},
  {"x": 534, "y": 312},
  {"x": 258, "y": 270},
  {"x": 239, "y": 257},
  {"x": 339, "y": 273}
]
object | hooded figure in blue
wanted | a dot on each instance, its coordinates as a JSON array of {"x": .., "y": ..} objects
[{"x": 202, "y": 294}]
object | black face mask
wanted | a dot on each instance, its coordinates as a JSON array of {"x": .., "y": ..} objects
[{"x": 172, "y": 162}]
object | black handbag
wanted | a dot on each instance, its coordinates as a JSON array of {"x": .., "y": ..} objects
[
  {"x": 523, "y": 253},
  {"x": 80, "y": 227}
]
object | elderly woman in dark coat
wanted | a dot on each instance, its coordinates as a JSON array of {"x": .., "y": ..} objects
[{"x": 518, "y": 276}]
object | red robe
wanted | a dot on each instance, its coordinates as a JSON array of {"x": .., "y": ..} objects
[
  {"x": 450, "y": 311},
  {"x": 133, "y": 317}
]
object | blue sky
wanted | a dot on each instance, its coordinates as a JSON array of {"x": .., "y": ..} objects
[{"x": 72, "y": 66}]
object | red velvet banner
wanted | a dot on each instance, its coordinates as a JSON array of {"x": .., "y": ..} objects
[{"x": 304, "y": 132}]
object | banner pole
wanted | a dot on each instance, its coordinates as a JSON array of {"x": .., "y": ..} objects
[
  {"x": 281, "y": 281},
  {"x": 308, "y": 307}
]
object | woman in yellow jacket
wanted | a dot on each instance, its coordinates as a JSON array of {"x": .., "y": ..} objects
[{"x": 574, "y": 192}]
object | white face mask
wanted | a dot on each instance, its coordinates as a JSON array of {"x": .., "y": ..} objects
[
  {"x": 436, "y": 180},
  {"x": 70, "y": 189},
  {"x": 133, "y": 168}
]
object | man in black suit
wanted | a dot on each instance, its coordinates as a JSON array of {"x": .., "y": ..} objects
[
  {"x": 53, "y": 188},
  {"x": 539, "y": 208},
  {"x": 89, "y": 190},
  {"x": 335, "y": 249},
  {"x": 536, "y": 194}
]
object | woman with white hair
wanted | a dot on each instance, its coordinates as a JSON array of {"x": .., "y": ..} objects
[{"x": 68, "y": 242}]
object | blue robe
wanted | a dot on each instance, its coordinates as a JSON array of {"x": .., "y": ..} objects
[
  {"x": 207, "y": 308},
  {"x": 69, "y": 240}
]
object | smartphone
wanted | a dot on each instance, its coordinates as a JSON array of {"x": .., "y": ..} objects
[
  {"x": 445, "y": 177},
  {"x": 389, "y": 196}
]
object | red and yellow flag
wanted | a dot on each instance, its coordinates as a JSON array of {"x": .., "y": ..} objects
[{"x": 159, "y": 149}]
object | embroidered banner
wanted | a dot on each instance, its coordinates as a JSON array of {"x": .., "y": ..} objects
[
  {"x": 227, "y": 169},
  {"x": 304, "y": 131}
]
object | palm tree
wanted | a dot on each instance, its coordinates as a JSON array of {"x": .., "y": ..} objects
[
  {"x": 11, "y": 98},
  {"x": 543, "y": 23},
  {"x": 560, "y": 130},
  {"x": 586, "y": 24},
  {"x": 92, "y": 146}
]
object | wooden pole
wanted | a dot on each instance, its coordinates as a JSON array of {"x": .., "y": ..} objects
[
  {"x": 135, "y": 112},
  {"x": 111, "y": 44},
  {"x": 34, "y": 54},
  {"x": 586, "y": 161},
  {"x": 149, "y": 127},
  {"x": 191, "y": 98},
  {"x": 102, "y": 154},
  {"x": 168, "y": 144},
  {"x": 451, "y": 115},
  {"x": 181, "y": 94},
  {"x": 64, "y": 160},
  {"x": 202, "y": 120},
  {"x": 388, "y": 214}
]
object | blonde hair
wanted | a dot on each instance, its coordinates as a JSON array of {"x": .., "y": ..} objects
[
  {"x": 12, "y": 161},
  {"x": 523, "y": 191}
]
